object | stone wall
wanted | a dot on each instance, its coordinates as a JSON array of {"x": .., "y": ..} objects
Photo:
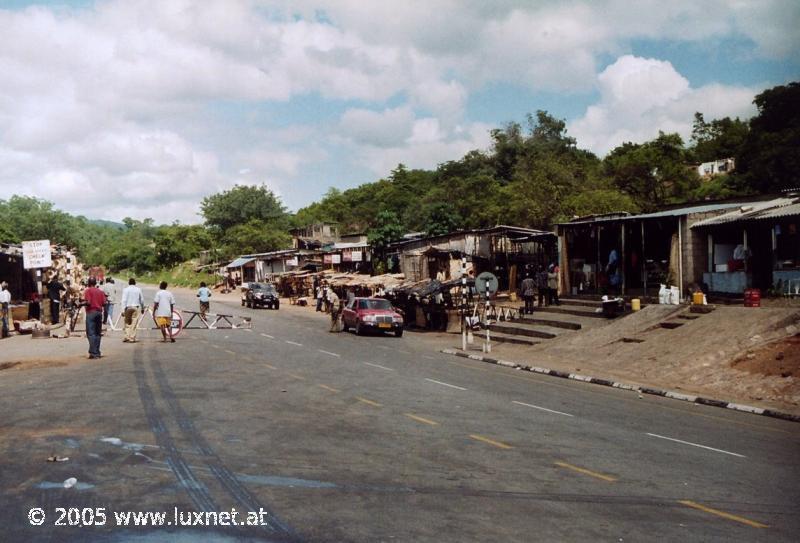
[{"x": 695, "y": 246}]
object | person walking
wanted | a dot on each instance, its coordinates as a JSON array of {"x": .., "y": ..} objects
[
  {"x": 336, "y": 306},
  {"x": 5, "y": 303},
  {"x": 163, "y": 305},
  {"x": 110, "y": 290},
  {"x": 319, "y": 293},
  {"x": 204, "y": 294},
  {"x": 132, "y": 304},
  {"x": 552, "y": 285},
  {"x": 54, "y": 290},
  {"x": 541, "y": 285},
  {"x": 94, "y": 299},
  {"x": 527, "y": 290}
]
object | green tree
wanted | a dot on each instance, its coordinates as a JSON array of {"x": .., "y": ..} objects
[
  {"x": 653, "y": 173},
  {"x": 243, "y": 204},
  {"x": 441, "y": 218},
  {"x": 721, "y": 138},
  {"x": 387, "y": 229},
  {"x": 255, "y": 237},
  {"x": 770, "y": 157}
]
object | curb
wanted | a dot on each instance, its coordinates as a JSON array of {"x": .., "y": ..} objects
[{"x": 634, "y": 388}]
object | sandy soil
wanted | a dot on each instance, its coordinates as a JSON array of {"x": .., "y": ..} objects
[{"x": 729, "y": 354}]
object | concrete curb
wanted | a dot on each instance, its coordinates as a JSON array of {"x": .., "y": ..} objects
[{"x": 624, "y": 386}]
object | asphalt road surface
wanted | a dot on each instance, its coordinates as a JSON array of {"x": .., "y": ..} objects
[{"x": 336, "y": 437}]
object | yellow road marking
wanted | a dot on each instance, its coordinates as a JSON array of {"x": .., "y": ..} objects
[
  {"x": 606, "y": 394},
  {"x": 326, "y": 387},
  {"x": 369, "y": 402},
  {"x": 422, "y": 420},
  {"x": 229, "y": 352},
  {"x": 295, "y": 376},
  {"x": 722, "y": 514},
  {"x": 270, "y": 366},
  {"x": 587, "y": 472},
  {"x": 491, "y": 441}
]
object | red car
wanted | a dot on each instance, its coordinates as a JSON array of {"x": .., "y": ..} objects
[{"x": 364, "y": 314}]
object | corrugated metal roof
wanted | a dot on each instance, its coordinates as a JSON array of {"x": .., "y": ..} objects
[
  {"x": 773, "y": 209},
  {"x": 239, "y": 262},
  {"x": 677, "y": 212},
  {"x": 356, "y": 245}
]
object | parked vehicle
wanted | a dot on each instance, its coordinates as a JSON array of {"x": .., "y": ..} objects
[
  {"x": 364, "y": 314},
  {"x": 261, "y": 295}
]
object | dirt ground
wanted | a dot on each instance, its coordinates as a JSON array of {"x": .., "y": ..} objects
[
  {"x": 729, "y": 354},
  {"x": 781, "y": 358}
]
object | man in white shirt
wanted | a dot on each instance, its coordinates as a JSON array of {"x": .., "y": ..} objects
[
  {"x": 163, "y": 304},
  {"x": 5, "y": 302},
  {"x": 132, "y": 304}
]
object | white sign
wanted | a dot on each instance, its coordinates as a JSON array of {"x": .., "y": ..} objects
[
  {"x": 292, "y": 262},
  {"x": 36, "y": 254},
  {"x": 356, "y": 256},
  {"x": 336, "y": 259}
]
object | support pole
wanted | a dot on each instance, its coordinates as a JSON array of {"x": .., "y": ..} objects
[
  {"x": 644, "y": 264},
  {"x": 680, "y": 259},
  {"x": 622, "y": 260}
]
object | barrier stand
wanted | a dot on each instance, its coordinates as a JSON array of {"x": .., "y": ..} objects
[{"x": 219, "y": 319}]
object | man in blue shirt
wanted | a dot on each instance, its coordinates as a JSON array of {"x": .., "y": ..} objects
[{"x": 205, "y": 299}]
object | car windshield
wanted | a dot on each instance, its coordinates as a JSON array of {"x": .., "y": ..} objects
[
  {"x": 261, "y": 286},
  {"x": 374, "y": 304}
]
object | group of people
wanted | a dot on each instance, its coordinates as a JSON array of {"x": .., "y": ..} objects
[
  {"x": 95, "y": 300},
  {"x": 99, "y": 298},
  {"x": 544, "y": 282}
]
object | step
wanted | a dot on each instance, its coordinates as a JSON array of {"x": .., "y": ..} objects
[
  {"x": 580, "y": 302},
  {"x": 521, "y": 330},
  {"x": 480, "y": 335},
  {"x": 570, "y": 310},
  {"x": 566, "y": 325}
]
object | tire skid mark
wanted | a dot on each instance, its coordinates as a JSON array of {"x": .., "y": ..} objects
[
  {"x": 180, "y": 468},
  {"x": 225, "y": 477}
]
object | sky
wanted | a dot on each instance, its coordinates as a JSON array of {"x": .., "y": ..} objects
[{"x": 141, "y": 108}]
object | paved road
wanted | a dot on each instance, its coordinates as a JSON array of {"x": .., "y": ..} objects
[{"x": 335, "y": 437}]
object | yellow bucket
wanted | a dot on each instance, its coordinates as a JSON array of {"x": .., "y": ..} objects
[
  {"x": 636, "y": 304},
  {"x": 697, "y": 298}
]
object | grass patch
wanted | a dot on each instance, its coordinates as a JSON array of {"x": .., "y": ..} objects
[{"x": 182, "y": 275}]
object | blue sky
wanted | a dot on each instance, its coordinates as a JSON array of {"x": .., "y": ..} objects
[{"x": 142, "y": 107}]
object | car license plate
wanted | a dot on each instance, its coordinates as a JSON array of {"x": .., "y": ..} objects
[{"x": 384, "y": 325}]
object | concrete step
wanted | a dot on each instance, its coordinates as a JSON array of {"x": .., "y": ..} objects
[
  {"x": 552, "y": 322},
  {"x": 570, "y": 310},
  {"x": 580, "y": 302},
  {"x": 518, "y": 329},
  {"x": 504, "y": 338}
]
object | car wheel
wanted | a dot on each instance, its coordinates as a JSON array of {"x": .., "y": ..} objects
[
  {"x": 398, "y": 332},
  {"x": 359, "y": 330},
  {"x": 277, "y": 305},
  {"x": 344, "y": 326}
]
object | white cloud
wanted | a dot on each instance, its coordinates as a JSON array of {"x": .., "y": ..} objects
[
  {"x": 426, "y": 148},
  {"x": 639, "y": 97},
  {"x": 381, "y": 129},
  {"x": 118, "y": 98}
]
